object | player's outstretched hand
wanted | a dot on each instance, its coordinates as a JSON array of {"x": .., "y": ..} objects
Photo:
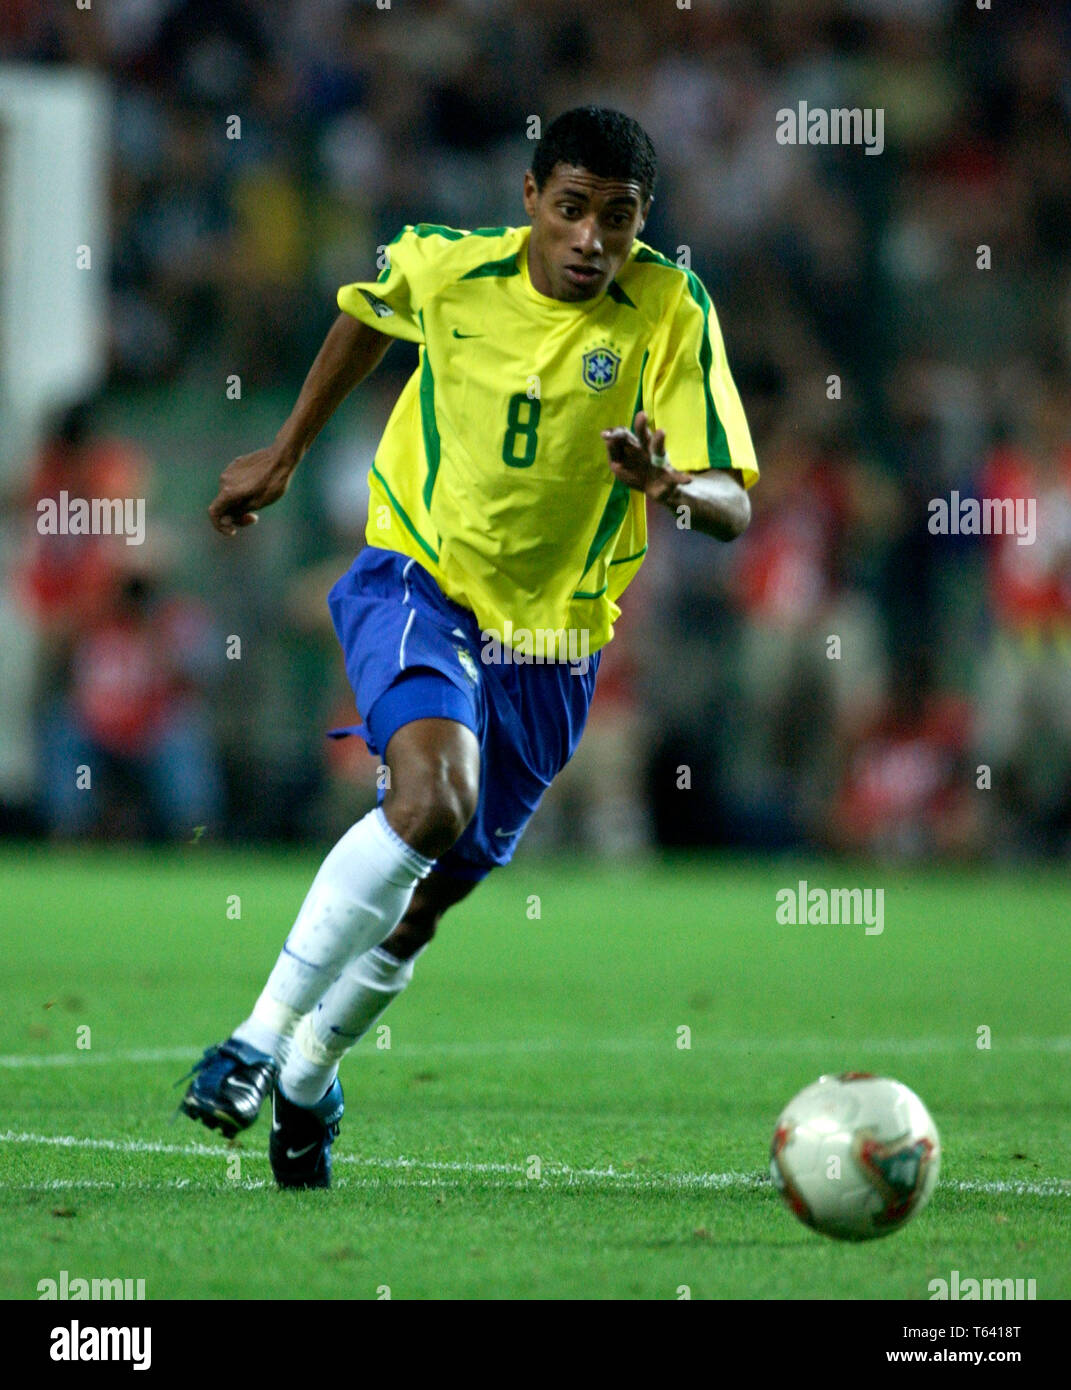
[
  {"x": 638, "y": 457},
  {"x": 250, "y": 482}
]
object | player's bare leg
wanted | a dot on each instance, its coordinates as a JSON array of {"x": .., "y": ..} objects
[{"x": 431, "y": 899}]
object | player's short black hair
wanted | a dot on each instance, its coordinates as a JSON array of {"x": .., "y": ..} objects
[{"x": 607, "y": 143}]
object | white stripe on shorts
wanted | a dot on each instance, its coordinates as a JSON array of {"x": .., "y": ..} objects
[{"x": 409, "y": 624}]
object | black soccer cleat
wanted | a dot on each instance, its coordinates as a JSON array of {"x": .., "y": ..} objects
[
  {"x": 230, "y": 1084},
  {"x": 301, "y": 1138}
]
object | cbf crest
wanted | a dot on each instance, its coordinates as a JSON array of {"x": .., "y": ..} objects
[
  {"x": 467, "y": 664},
  {"x": 600, "y": 368}
]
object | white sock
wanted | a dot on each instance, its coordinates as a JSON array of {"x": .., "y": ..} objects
[
  {"x": 269, "y": 1027},
  {"x": 344, "y": 1014},
  {"x": 356, "y": 900}
]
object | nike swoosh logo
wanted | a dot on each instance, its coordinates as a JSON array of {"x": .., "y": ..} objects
[
  {"x": 300, "y": 1153},
  {"x": 467, "y": 335},
  {"x": 505, "y": 834}
]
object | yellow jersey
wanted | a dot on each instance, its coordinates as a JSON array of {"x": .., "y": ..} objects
[{"x": 492, "y": 472}]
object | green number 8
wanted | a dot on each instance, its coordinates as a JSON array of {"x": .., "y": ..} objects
[{"x": 525, "y": 430}]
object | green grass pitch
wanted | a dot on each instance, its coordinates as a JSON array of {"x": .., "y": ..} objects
[{"x": 534, "y": 1129}]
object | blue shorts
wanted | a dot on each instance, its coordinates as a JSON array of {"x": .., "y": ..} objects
[{"x": 412, "y": 653}]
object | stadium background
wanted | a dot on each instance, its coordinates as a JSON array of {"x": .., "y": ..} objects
[{"x": 218, "y": 258}]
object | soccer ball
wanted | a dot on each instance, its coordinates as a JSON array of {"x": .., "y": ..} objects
[{"x": 855, "y": 1156}]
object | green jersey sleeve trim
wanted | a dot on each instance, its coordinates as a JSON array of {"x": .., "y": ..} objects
[
  {"x": 423, "y": 229},
  {"x": 434, "y": 229},
  {"x": 717, "y": 440}
]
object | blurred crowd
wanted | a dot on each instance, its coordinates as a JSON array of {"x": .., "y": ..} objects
[{"x": 899, "y": 327}]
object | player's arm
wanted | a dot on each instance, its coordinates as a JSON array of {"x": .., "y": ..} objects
[
  {"x": 717, "y": 500},
  {"x": 349, "y": 353}
]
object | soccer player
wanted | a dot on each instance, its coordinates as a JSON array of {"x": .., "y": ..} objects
[{"x": 507, "y": 516}]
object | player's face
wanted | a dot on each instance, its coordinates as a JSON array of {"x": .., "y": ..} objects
[{"x": 583, "y": 228}]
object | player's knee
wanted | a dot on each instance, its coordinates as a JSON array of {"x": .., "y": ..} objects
[
  {"x": 435, "y": 772},
  {"x": 445, "y": 808},
  {"x": 433, "y": 806}
]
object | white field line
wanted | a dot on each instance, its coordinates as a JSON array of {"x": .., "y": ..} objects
[
  {"x": 511, "y": 1175},
  {"x": 519, "y": 1046},
  {"x": 215, "y": 1186},
  {"x": 75, "y": 1058}
]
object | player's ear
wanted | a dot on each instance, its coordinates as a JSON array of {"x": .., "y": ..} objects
[{"x": 531, "y": 193}]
